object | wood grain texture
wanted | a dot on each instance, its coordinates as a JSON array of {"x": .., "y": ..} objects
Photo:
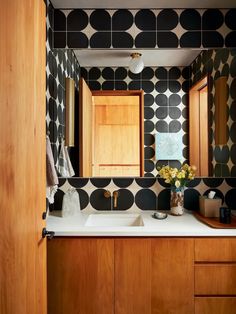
[
  {"x": 80, "y": 276},
  {"x": 215, "y": 279},
  {"x": 22, "y": 157},
  {"x": 85, "y": 130},
  {"x": 215, "y": 250},
  {"x": 221, "y": 96},
  {"x": 133, "y": 276},
  {"x": 172, "y": 276},
  {"x": 215, "y": 305},
  {"x": 198, "y": 127}
]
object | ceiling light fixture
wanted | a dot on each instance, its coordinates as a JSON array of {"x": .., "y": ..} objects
[{"x": 136, "y": 64}]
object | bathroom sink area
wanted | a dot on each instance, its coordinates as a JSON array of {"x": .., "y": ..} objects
[{"x": 114, "y": 220}]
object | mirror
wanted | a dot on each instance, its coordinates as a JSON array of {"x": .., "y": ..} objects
[{"x": 166, "y": 100}]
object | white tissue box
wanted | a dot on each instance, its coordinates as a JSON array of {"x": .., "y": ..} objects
[{"x": 209, "y": 207}]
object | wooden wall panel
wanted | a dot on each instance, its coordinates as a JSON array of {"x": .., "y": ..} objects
[{"x": 22, "y": 157}]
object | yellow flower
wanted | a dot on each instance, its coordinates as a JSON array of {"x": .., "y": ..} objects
[{"x": 177, "y": 183}]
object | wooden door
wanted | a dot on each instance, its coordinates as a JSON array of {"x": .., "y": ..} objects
[
  {"x": 22, "y": 157},
  {"x": 80, "y": 276},
  {"x": 198, "y": 128},
  {"x": 85, "y": 130}
]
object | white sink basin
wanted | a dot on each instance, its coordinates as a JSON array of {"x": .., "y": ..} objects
[{"x": 114, "y": 220}]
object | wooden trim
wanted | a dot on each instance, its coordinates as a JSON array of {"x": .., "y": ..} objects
[
  {"x": 70, "y": 112},
  {"x": 139, "y": 93},
  {"x": 81, "y": 142}
]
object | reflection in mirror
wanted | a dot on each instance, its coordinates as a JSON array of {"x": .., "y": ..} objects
[{"x": 166, "y": 89}]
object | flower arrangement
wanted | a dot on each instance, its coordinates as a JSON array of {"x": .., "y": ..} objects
[{"x": 177, "y": 178}]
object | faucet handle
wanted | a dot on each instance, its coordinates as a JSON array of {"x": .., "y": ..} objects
[
  {"x": 115, "y": 196},
  {"x": 107, "y": 193}
]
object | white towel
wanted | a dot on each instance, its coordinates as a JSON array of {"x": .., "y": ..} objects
[
  {"x": 64, "y": 165},
  {"x": 71, "y": 203},
  {"x": 52, "y": 179}
]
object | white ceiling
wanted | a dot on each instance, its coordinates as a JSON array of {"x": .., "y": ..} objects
[
  {"x": 115, "y": 58},
  {"x": 142, "y": 4}
]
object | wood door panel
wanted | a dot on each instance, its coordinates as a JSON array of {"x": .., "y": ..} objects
[
  {"x": 132, "y": 276},
  {"x": 80, "y": 276},
  {"x": 22, "y": 157},
  {"x": 172, "y": 276},
  {"x": 215, "y": 305},
  {"x": 215, "y": 250},
  {"x": 215, "y": 279}
]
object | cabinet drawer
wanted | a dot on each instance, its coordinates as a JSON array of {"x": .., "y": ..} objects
[
  {"x": 215, "y": 250},
  {"x": 217, "y": 305},
  {"x": 215, "y": 279}
]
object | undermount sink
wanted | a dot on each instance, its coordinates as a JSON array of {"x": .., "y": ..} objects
[{"x": 114, "y": 220}]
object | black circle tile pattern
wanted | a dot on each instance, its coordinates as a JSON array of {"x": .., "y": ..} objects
[
  {"x": 145, "y": 199},
  {"x": 125, "y": 199},
  {"x": 123, "y": 182},
  {"x": 167, "y": 19},
  {"x": 98, "y": 201},
  {"x": 145, "y": 20},
  {"x": 77, "y": 20},
  {"x": 100, "y": 20},
  {"x": 122, "y": 20}
]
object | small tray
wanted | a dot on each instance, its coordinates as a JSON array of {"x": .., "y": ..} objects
[{"x": 215, "y": 223}]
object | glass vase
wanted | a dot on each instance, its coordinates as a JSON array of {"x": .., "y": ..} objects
[{"x": 177, "y": 201}]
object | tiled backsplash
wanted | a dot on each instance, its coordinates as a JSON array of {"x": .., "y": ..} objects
[{"x": 143, "y": 193}]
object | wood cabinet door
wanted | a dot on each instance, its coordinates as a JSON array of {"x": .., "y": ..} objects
[
  {"x": 132, "y": 276},
  {"x": 22, "y": 157},
  {"x": 172, "y": 276},
  {"x": 80, "y": 276}
]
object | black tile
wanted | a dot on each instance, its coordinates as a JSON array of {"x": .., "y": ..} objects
[
  {"x": 148, "y": 100},
  {"x": 148, "y": 126},
  {"x": 78, "y": 182},
  {"x": 84, "y": 73},
  {"x": 212, "y": 19},
  {"x": 100, "y": 182},
  {"x": 162, "y": 126},
  {"x": 108, "y": 73},
  {"x": 190, "y": 40},
  {"x": 174, "y": 86},
  {"x": 147, "y": 86},
  {"x": 148, "y": 165},
  {"x": 100, "y": 40},
  {"x": 149, "y": 139},
  {"x": 122, "y": 40},
  {"x": 134, "y": 76},
  {"x": 84, "y": 198},
  {"x": 134, "y": 85},
  {"x": 161, "y": 86},
  {"x": 190, "y": 19},
  {"x": 167, "y": 19},
  {"x": 94, "y": 85},
  {"x": 59, "y": 21},
  {"x": 125, "y": 200},
  {"x": 121, "y": 85},
  {"x": 145, "y": 20},
  {"x": 230, "y": 198},
  {"x": 174, "y": 126},
  {"x": 77, "y": 40},
  {"x": 100, "y": 20},
  {"x": 145, "y": 40},
  {"x": 77, "y": 20},
  {"x": 108, "y": 85},
  {"x": 120, "y": 73},
  {"x": 59, "y": 39},
  {"x": 148, "y": 113},
  {"x": 230, "y": 39},
  {"x": 186, "y": 73},
  {"x": 149, "y": 152},
  {"x": 231, "y": 182},
  {"x": 122, "y": 20},
  {"x": 146, "y": 199},
  {"x": 145, "y": 183},
  {"x": 147, "y": 73},
  {"x": 123, "y": 182},
  {"x": 161, "y": 73},
  {"x": 213, "y": 182},
  {"x": 167, "y": 40},
  {"x": 163, "y": 200},
  {"x": 94, "y": 73},
  {"x": 174, "y": 113},
  {"x": 99, "y": 201},
  {"x": 162, "y": 112},
  {"x": 212, "y": 39},
  {"x": 161, "y": 100},
  {"x": 191, "y": 199},
  {"x": 174, "y": 100},
  {"x": 230, "y": 19},
  {"x": 174, "y": 73}
]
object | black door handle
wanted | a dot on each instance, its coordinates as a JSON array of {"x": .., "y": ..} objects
[{"x": 48, "y": 234}]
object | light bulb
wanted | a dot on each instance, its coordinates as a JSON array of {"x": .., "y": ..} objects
[{"x": 136, "y": 64}]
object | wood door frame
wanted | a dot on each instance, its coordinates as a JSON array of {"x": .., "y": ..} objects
[
  {"x": 139, "y": 93},
  {"x": 196, "y": 88}
]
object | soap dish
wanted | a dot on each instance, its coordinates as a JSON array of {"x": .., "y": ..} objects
[{"x": 159, "y": 215}]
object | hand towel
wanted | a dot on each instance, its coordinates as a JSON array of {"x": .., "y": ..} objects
[
  {"x": 52, "y": 178},
  {"x": 64, "y": 165},
  {"x": 71, "y": 203}
]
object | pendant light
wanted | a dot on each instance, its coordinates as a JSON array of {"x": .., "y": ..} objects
[{"x": 136, "y": 64}]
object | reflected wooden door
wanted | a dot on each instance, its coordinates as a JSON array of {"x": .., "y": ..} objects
[
  {"x": 22, "y": 157},
  {"x": 199, "y": 128}
]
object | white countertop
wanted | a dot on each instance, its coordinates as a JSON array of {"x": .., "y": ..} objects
[{"x": 173, "y": 226}]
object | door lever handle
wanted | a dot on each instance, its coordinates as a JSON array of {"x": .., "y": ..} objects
[{"x": 48, "y": 234}]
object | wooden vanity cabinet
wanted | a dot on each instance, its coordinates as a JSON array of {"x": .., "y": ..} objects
[
  {"x": 120, "y": 275},
  {"x": 215, "y": 276}
]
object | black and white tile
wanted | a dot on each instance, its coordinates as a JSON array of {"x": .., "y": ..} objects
[{"x": 145, "y": 28}]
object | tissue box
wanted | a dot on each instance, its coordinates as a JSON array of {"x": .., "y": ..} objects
[{"x": 209, "y": 207}]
